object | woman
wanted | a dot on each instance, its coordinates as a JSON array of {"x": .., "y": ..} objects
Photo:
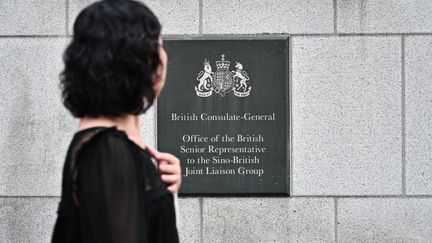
[{"x": 115, "y": 67}]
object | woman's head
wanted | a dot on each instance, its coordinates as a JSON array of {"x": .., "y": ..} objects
[{"x": 115, "y": 64}]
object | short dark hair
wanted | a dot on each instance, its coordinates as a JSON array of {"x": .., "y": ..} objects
[{"x": 111, "y": 60}]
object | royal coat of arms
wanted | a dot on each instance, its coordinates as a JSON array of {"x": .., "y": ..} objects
[{"x": 223, "y": 80}]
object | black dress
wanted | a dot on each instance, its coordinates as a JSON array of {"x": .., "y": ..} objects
[{"x": 112, "y": 192}]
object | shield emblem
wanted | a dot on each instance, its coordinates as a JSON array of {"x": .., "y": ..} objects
[{"x": 222, "y": 82}]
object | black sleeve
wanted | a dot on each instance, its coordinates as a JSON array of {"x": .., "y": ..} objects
[{"x": 108, "y": 188}]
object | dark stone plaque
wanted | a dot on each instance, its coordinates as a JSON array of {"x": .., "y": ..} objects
[{"x": 224, "y": 113}]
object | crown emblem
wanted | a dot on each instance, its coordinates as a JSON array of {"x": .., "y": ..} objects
[
  {"x": 222, "y": 64},
  {"x": 223, "y": 80}
]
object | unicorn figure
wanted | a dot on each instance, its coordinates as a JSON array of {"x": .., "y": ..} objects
[
  {"x": 242, "y": 76},
  {"x": 205, "y": 77}
]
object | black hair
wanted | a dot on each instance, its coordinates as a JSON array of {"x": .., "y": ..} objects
[{"x": 111, "y": 60}]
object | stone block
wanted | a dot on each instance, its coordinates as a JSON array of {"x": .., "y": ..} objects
[
  {"x": 32, "y": 17},
  {"x": 384, "y": 16},
  {"x": 28, "y": 219},
  {"x": 268, "y": 16},
  {"x": 35, "y": 128},
  {"x": 403, "y": 220},
  {"x": 176, "y": 17},
  {"x": 148, "y": 126},
  {"x": 268, "y": 220},
  {"x": 346, "y": 116},
  {"x": 418, "y": 112},
  {"x": 189, "y": 220}
]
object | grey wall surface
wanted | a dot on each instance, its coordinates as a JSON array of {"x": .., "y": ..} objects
[{"x": 361, "y": 98}]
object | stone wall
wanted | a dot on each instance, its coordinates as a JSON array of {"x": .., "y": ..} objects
[{"x": 361, "y": 119}]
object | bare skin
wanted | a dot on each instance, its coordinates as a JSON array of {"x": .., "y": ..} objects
[{"x": 169, "y": 165}]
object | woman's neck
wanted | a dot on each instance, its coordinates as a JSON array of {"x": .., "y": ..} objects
[{"x": 128, "y": 123}]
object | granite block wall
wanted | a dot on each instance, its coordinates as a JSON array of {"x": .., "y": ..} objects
[{"x": 361, "y": 119}]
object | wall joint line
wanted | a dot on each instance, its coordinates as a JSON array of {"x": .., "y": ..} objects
[
  {"x": 67, "y": 17},
  {"x": 335, "y": 17},
  {"x": 200, "y": 24},
  {"x": 336, "y": 220},
  {"x": 403, "y": 122}
]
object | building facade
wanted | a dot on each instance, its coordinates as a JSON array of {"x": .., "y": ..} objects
[{"x": 360, "y": 106}]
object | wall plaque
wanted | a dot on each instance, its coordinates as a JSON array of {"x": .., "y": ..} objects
[{"x": 224, "y": 113}]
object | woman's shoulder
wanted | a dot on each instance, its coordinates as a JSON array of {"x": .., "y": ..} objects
[
  {"x": 107, "y": 137},
  {"x": 104, "y": 134},
  {"x": 109, "y": 142},
  {"x": 112, "y": 149},
  {"x": 89, "y": 133},
  {"x": 100, "y": 140}
]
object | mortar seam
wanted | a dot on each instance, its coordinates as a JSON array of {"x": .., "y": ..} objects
[
  {"x": 403, "y": 118},
  {"x": 285, "y": 35},
  {"x": 335, "y": 16},
  {"x": 408, "y": 196},
  {"x": 200, "y": 24},
  {"x": 336, "y": 220},
  {"x": 258, "y": 35},
  {"x": 365, "y": 196},
  {"x": 290, "y": 139},
  {"x": 67, "y": 17},
  {"x": 201, "y": 219}
]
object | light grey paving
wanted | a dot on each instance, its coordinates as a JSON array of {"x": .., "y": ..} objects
[
  {"x": 402, "y": 220},
  {"x": 384, "y": 16},
  {"x": 418, "y": 99},
  {"x": 27, "y": 219},
  {"x": 32, "y": 17},
  {"x": 176, "y": 17},
  {"x": 35, "y": 128},
  {"x": 267, "y": 16},
  {"x": 268, "y": 220},
  {"x": 346, "y": 116},
  {"x": 189, "y": 220}
]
